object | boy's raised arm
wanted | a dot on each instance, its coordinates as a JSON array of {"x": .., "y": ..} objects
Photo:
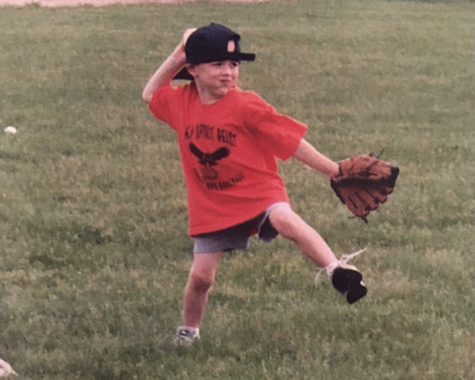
[{"x": 168, "y": 69}]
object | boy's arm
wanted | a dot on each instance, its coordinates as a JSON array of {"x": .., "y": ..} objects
[
  {"x": 167, "y": 70},
  {"x": 307, "y": 154}
]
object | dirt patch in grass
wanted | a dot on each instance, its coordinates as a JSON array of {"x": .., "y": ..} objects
[{"x": 102, "y": 3}]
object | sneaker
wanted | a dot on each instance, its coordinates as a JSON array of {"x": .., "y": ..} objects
[
  {"x": 348, "y": 280},
  {"x": 345, "y": 278},
  {"x": 186, "y": 336}
]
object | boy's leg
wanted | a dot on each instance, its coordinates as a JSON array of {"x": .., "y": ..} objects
[
  {"x": 345, "y": 278},
  {"x": 293, "y": 227},
  {"x": 200, "y": 281}
]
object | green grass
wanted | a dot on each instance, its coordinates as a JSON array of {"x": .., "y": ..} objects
[{"x": 93, "y": 248}]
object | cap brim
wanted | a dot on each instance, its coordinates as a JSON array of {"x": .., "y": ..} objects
[{"x": 246, "y": 57}]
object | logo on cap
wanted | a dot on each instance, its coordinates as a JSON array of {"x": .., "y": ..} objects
[{"x": 231, "y": 46}]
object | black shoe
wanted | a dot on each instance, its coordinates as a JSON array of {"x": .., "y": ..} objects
[{"x": 348, "y": 280}]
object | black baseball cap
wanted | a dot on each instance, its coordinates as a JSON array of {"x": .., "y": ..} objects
[{"x": 213, "y": 43}]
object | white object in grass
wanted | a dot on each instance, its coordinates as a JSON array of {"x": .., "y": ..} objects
[{"x": 10, "y": 130}]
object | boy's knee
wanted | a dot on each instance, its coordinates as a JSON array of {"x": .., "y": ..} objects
[
  {"x": 285, "y": 221},
  {"x": 201, "y": 281}
]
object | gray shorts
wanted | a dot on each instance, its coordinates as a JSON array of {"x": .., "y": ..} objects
[{"x": 237, "y": 237}]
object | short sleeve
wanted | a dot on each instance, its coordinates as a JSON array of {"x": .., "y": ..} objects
[
  {"x": 277, "y": 133},
  {"x": 163, "y": 105}
]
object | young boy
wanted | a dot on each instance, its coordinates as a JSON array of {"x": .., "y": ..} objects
[{"x": 229, "y": 141}]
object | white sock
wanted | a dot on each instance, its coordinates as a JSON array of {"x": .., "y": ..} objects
[{"x": 331, "y": 267}]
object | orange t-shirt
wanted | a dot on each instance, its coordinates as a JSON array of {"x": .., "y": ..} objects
[{"x": 228, "y": 153}]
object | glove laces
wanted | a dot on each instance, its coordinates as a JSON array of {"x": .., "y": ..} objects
[{"x": 343, "y": 260}]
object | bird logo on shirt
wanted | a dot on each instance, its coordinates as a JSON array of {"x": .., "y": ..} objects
[{"x": 208, "y": 160}]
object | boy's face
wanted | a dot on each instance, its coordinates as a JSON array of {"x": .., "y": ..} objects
[{"x": 215, "y": 78}]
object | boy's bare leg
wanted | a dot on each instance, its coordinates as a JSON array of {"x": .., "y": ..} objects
[
  {"x": 345, "y": 278},
  {"x": 293, "y": 227},
  {"x": 200, "y": 281}
]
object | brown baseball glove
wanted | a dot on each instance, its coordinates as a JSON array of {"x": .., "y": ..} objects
[{"x": 364, "y": 183}]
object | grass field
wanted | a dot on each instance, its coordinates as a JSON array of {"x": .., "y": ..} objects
[{"x": 93, "y": 247}]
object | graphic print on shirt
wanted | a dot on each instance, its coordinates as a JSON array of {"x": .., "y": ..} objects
[
  {"x": 219, "y": 143},
  {"x": 208, "y": 160}
]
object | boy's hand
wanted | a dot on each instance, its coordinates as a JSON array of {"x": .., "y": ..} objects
[
  {"x": 168, "y": 69},
  {"x": 185, "y": 37}
]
